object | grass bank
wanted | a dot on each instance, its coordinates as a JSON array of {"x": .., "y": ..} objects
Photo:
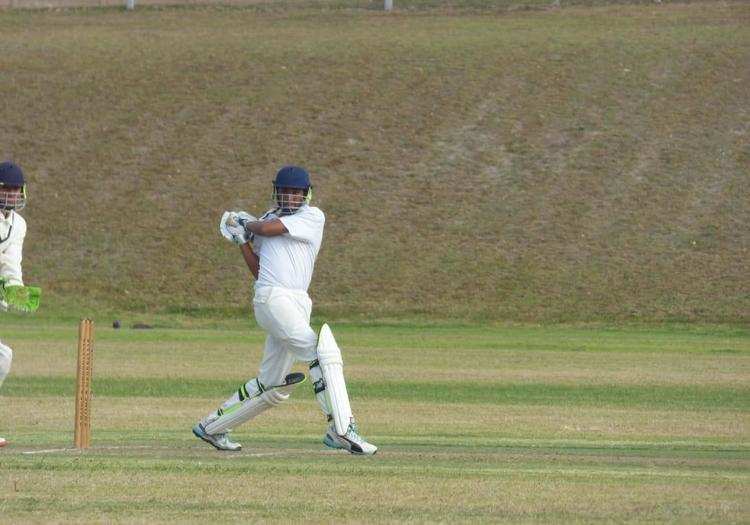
[{"x": 578, "y": 164}]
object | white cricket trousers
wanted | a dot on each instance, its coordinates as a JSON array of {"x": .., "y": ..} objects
[
  {"x": 285, "y": 315},
  {"x": 6, "y": 356}
]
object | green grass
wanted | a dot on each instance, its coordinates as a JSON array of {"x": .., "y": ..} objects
[
  {"x": 475, "y": 424},
  {"x": 478, "y": 161},
  {"x": 697, "y": 398}
]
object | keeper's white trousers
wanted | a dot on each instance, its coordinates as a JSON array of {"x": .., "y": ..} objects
[
  {"x": 6, "y": 356},
  {"x": 285, "y": 315}
]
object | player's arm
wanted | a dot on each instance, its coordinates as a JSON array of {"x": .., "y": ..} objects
[
  {"x": 266, "y": 228},
  {"x": 251, "y": 259}
]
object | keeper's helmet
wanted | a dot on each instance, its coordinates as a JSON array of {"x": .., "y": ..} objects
[
  {"x": 12, "y": 187},
  {"x": 291, "y": 178}
]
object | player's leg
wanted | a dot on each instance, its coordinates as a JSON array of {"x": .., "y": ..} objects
[
  {"x": 327, "y": 375},
  {"x": 286, "y": 315},
  {"x": 326, "y": 370},
  {"x": 273, "y": 384},
  {"x": 6, "y": 356},
  {"x": 272, "y": 387}
]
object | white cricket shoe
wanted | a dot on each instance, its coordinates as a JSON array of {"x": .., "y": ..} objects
[
  {"x": 219, "y": 441},
  {"x": 3, "y": 442},
  {"x": 350, "y": 441}
]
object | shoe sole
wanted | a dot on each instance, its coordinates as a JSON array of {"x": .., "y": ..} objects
[{"x": 201, "y": 435}]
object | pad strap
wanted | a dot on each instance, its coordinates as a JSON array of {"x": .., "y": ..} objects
[{"x": 319, "y": 387}]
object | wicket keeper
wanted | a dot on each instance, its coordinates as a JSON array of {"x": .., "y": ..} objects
[{"x": 12, "y": 234}]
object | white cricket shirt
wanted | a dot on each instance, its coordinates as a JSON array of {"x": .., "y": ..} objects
[
  {"x": 287, "y": 260},
  {"x": 12, "y": 233}
]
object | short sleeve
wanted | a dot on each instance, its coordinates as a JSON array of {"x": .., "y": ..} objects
[{"x": 305, "y": 225}]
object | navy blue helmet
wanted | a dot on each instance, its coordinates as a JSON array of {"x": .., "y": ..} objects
[
  {"x": 11, "y": 180},
  {"x": 294, "y": 178}
]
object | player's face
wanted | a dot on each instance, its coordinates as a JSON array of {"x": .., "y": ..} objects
[
  {"x": 290, "y": 199},
  {"x": 11, "y": 198}
]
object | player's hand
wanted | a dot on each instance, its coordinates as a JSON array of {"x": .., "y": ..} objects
[
  {"x": 239, "y": 236},
  {"x": 232, "y": 226},
  {"x": 230, "y": 229},
  {"x": 243, "y": 218}
]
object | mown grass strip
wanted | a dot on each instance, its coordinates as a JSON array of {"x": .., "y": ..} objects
[
  {"x": 711, "y": 340},
  {"x": 404, "y": 441},
  {"x": 336, "y": 465},
  {"x": 654, "y": 396}
]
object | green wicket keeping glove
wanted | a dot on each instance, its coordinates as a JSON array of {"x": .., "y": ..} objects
[{"x": 23, "y": 298}]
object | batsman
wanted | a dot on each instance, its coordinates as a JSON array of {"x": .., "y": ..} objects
[
  {"x": 280, "y": 250},
  {"x": 13, "y": 293}
]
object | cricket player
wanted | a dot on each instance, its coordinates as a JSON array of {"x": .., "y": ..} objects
[
  {"x": 280, "y": 250},
  {"x": 12, "y": 234}
]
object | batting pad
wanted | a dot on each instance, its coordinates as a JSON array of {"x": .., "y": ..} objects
[
  {"x": 262, "y": 400},
  {"x": 332, "y": 365},
  {"x": 6, "y": 356}
]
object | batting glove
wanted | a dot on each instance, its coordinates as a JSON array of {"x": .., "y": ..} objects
[{"x": 230, "y": 228}]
